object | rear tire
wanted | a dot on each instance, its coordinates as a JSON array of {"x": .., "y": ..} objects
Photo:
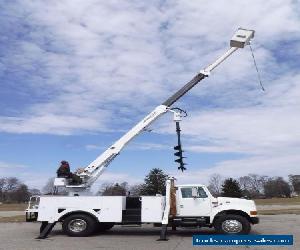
[
  {"x": 79, "y": 225},
  {"x": 232, "y": 224}
]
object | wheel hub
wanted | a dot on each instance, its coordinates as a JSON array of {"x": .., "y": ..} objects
[
  {"x": 77, "y": 225},
  {"x": 232, "y": 226}
]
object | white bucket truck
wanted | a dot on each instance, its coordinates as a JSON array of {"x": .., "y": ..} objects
[{"x": 81, "y": 214}]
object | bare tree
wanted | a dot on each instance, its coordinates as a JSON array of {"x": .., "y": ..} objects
[
  {"x": 295, "y": 183},
  {"x": 114, "y": 189},
  {"x": 277, "y": 187},
  {"x": 12, "y": 183},
  {"x": 136, "y": 190},
  {"x": 245, "y": 182},
  {"x": 13, "y": 190},
  {"x": 215, "y": 184},
  {"x": 2, "y": 184},
  {"x": 48, "y": 188},
  {"x": 257, "y": 182},
  {"x": 21, "y": 194},
  {"x": 2, "y": 188},
  {"x": 34, "y": 191},
  {"x": 124, "y": 185},
  {"x": 252, "y": 185},
  {"x": 10, "y": 187},
  {"x": 103, "y": 187}
]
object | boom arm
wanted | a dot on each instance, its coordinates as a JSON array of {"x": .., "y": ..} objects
[
  {"x": 95, "y": 168},
  {"x": 241, "y": 38}
]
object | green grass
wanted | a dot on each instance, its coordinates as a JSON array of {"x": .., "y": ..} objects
[
  {"x": 13, "y": 207},
  {"x": 279, "y": 211},
  {"x": 18, "y": 218},
  {"x": 278, "y": 201}
]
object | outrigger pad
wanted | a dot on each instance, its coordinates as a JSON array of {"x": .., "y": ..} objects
[
  {"x": 163, "y": 233},
  {"x": 45, "y": 229}
]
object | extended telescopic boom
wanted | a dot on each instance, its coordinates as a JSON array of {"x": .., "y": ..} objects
[{"x": 91, "y": 173}]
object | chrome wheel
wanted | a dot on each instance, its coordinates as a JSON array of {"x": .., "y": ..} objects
[
  {"x": 232, "y": 226},
  {"x": 77, "y": 225}
]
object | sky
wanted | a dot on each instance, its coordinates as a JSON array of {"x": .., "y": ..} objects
[{"x": 76, "y": 75}]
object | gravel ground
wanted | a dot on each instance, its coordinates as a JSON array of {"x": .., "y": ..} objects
[{"x": 21, "y": 236}]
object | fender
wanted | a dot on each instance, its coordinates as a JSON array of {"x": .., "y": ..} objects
[{"x": 66, "y": 212}]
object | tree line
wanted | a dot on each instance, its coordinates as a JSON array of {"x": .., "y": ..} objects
[
  {"x": 251, "y": 186},
  {"x": 12, "y": 190},
  {"x": 254, "y": 186}
]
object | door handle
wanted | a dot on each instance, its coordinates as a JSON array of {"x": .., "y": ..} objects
[{"x": 181, "y": 206}]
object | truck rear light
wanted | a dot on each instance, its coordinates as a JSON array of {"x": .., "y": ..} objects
[{"x": 253, "y": 212}]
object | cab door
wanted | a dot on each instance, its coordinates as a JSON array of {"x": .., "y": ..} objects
[{"x": 193, "y": 205}]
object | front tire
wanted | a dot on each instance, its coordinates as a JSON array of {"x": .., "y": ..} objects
[
  {"x": 232, "y": 224},
  {"x": 79, "y": 225}
]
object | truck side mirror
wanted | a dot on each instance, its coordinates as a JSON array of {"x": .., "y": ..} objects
[{"x": 195, "y": 192}]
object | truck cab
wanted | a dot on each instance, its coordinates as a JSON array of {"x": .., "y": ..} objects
[
  {"x": 196, "y": 206},
  {"x": 193, "y": 200}
]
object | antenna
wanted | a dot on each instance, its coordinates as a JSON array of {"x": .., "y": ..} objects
[{"x": 255, "y": 64}]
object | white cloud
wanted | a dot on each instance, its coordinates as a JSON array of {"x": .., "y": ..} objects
[
  {"x": 51, "y": 123},
  {"x": 278, "y": 165},
  {"x": 133, "y": 146},
  {"x": 256, "y": 131},
  {"x": 95, "y": 65},
  {"x": 149, "y": 146},
  {"x": 6, "y": 167},
  {"x": 32, "y": 178},
  {"x": 93, "y": 147},
  {"x": 93, "y": 57},
  {"x": 38, "y": 178}
]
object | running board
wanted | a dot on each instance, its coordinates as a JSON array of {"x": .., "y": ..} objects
[{"x": 131, "y": 225}]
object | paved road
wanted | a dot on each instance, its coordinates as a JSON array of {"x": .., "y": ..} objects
[{"x": 20, "y": 236}]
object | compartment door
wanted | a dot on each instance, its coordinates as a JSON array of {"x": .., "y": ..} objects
[{"x": 152, "y": 209}]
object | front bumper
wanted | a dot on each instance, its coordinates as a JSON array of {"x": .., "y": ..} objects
[{"x": 254, "y": 220}]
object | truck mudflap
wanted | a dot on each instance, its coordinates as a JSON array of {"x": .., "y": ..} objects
[
  {"x": 45, "y": 229},
  {"x": 31, "y": 216},
  {"x": 254, "y": 220}
]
